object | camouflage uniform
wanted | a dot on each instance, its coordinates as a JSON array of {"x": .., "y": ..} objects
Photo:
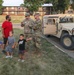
[
  {"x": 37, "y": 34},
  {"x": 28, "y": 30}
]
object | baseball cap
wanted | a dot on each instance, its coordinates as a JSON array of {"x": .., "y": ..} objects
[
  {"x": 27, "y": 14},
  {"x": 36, "y": 14}
]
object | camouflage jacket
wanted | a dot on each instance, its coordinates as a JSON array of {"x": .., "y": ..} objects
[
  {"x": 28, "y": 24},
  {"x": 37, "y": 26}
]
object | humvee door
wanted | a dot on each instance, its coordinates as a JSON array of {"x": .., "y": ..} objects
[{"x": 49, "y": 26}]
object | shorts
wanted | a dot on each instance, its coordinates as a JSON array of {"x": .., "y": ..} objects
[
  {"x": 21, "y": 52},
  {"x": 5, "y": 40},
  {"x": 9, "y": 49},
  {"x": 1, "y": 42}
]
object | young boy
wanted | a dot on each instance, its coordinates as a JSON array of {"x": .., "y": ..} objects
[
  {"x": 10, "y": 45},
  {"x": 21, "y": 43}
]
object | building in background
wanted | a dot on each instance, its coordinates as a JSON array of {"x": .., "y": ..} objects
[
  {"x": 47, "y": 8},
  {"x": 19, "y": 10},
  {"x": 14, "y": 10},
  {"x": 13, "y": 7}
]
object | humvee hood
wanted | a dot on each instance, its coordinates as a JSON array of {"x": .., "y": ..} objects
[{"x": 68, "y": 25}]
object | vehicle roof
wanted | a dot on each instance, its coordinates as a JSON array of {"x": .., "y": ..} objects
[{"x": 58, "y": 15}]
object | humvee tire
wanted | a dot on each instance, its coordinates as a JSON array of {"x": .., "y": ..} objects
[{"x": 67, "y": 41}]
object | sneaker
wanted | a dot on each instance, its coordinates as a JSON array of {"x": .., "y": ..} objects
[
  {"x": 7, "y": 56},
  {"x": 19, "y": 59},
  {"x": 22, "y": 61},
  {"x": 11, "y": 56},
  {"x": 3, "y": 51}
]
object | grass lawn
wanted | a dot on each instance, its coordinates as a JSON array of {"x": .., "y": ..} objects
[
  {"x": 51, "y": 62},
  {"x": 15, "y": 19}
]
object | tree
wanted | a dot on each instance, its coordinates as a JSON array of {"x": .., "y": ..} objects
[
  {"x": 63, "y": 5},
  {"x": 72, "y": 4},
  {"x": 54, "y": 2},
  {"x": 21, "y": 5},
  {"x": 32, "y": 5},
  {"x": 1, "y": 2}
]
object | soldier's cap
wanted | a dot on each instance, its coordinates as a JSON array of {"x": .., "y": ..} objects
[
  {"x": 36, "y": 14},
  {"x": 27, "y": 14}
]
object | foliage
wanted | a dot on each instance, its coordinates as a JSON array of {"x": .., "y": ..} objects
[
  {"x": 22, "y": 5},
  {"x": 72, "y": 4},
  {"x": 54, "y": 2},
  {"x": 32, "y": 5},
  {"x": 1, "y": 1},
  {"x": 61, "y": 5}
]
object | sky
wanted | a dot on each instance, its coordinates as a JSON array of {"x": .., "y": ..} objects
[{"x": 12, "y": 2}]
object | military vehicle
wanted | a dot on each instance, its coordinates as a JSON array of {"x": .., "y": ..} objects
[{"x": 60, "y": 26}]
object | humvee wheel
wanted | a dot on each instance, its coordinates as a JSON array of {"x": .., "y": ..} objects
[{"x": 67, "y": 41}]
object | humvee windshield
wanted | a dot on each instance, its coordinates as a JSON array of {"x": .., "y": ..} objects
[
  {"x": 47, "y": 21},
  {"x": 51, "y": 21},
  {"x": 66, "y": 19}
]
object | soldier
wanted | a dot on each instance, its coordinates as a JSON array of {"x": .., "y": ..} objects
[
  {"x": 37, "y": 32},
  {"x": 28, "y": 30}
]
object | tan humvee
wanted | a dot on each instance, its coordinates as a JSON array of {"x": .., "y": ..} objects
[{"x": 61, "y": 26}]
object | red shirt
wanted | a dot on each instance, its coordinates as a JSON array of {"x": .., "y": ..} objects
[{"x": 7, "y": 27}]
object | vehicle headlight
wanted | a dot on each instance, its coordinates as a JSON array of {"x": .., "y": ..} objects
[{"x": 73, "y": 31}]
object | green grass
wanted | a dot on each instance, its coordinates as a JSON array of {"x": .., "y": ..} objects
[
  {"x": 15, "y": 19},
  {"x": 51, "y": 62}
]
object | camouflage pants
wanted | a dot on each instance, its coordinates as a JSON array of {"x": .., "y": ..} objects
[
  {"x": 28, "y": 43},
  {"x": 36, "y": 42}
]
